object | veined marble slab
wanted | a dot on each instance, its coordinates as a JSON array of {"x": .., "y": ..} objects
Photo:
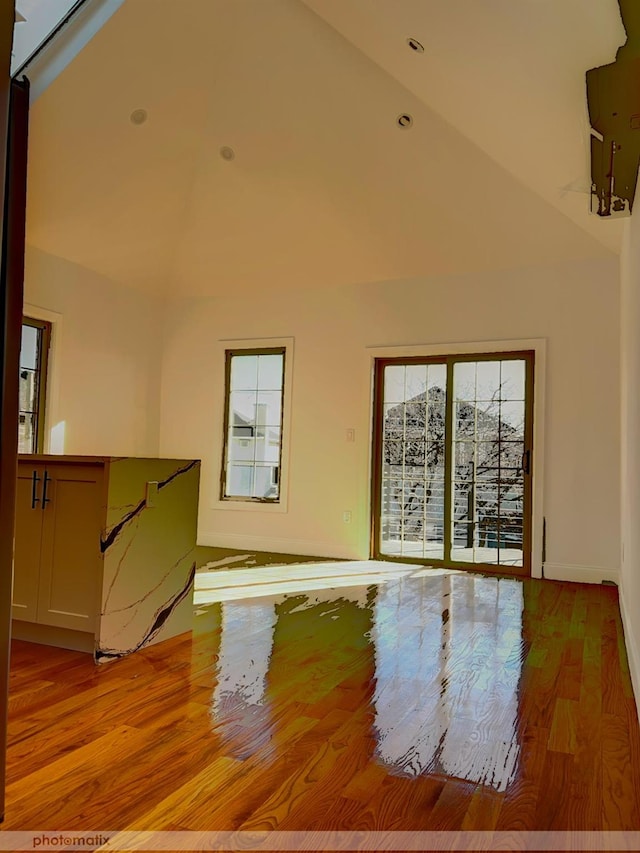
[{"x": 148, "y": 548}]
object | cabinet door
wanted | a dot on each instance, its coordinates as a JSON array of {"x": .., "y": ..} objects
[
  {"x": 70, "y": 556},
  {"x": 26, "y": 563}
]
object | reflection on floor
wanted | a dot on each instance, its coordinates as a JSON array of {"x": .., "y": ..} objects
[
  {"x": 446, "y": 694},
  {"x": 435, "y": 551},
  {"x": 410, "y": 699},
  {"x": 221, "y": 585},
  {"x": 214, "y": 559}
]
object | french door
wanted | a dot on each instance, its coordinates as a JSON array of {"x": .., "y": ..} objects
[{"x": 452, "y": 461}]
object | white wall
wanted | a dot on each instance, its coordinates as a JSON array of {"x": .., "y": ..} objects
[
  {"x": 105, "y": 369},
  {"x": 575, "y": 306},
  {"x": 630, "y": 376}
]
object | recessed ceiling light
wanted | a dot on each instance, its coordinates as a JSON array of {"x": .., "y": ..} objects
[
  {"x": 138, "y": 116},
  {"x": 415, "y": 45},
  {"x": 404, "y": 121},
  {"x": 227, "y": 153}
]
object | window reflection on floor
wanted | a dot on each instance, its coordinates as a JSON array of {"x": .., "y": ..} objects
[
  {"x": 238, "y": 707},
  {"x": 446, "y": 652},
  {"x": 448, "y": 655}
]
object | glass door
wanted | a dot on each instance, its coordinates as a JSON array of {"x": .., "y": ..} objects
[{"x": 452, "y": 461}]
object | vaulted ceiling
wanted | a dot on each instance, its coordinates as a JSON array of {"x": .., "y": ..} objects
[{"x": 324, "y": 188}]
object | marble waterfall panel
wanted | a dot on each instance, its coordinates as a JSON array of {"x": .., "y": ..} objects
[{"x": 148, "y": 548}]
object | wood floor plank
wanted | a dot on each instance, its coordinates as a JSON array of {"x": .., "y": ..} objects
[
  {"x": 552, "y": 808},
  {"x": 364, "y": 784},
  {"x": 292, "y": 795},
  {"x": 613, "y": 692},
  {"x": 563, "y": 734},
  {"x": 452, "y": 806},
  {"x": 571, "y": 668},
  {"x": 398, "y": 804},
  {"x": 579, "y": 615},
  {"x": 483, "y": 811},
  {"x": 588, "y": 754},
  {"x": 620, "y": 792},
  {"x": 518, "y": 812}
]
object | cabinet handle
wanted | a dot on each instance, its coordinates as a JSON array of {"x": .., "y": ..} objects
[
  {"x": 34, "y": 489},
  {"x": 45, "y": 499}
]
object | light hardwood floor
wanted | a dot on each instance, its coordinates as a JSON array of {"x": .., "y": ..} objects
[{"x": 424, "y": 701}]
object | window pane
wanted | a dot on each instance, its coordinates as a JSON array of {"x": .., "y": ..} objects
[
  {"x": 265, "y": 482},
  {"x": 394, "y": 421},
  {"x": 240, "y": 480},
  {"x": 26, "y": 434},
  {"x": 416, "y": 381},
  {"x": 464, "y": 380},
  {"x": 243, "y": 407},
  {"x": 244, "y": 372},
  {"x": 511, "y": 458},
  {"x": 488, "y": 380},
  {"x": 437, "y": 378},
  {"x": 269, "y": 408},
  {"x": 269, "y": 372},
  {"x": 465, "y": 420},
  {"x": 512, "y": 380},
  {"x": 29, "y": 347},
  {"x": 269, "y": 449},
  {"x": 512, "y": 420},
  {"x": 394, "y": 384},
  {"x": 241, "y": 448}
]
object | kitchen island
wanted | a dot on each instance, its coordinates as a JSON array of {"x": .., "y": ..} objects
[{"x": 104, "y": 551}]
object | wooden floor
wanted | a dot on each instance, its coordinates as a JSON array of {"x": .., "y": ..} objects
[{"x": 424, "y": 702}]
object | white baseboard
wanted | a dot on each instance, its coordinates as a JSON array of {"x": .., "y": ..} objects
[
  {"x": 580, "y": 574},
  {"x": 50, "y": 635},
  {"x": 631, "y": 644},
  {"x": 302, "y": 547}
]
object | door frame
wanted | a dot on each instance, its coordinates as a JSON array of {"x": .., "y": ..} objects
[{"x": 481, "y": 348}]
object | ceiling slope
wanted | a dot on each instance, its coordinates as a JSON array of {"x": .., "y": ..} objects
[
  {"x": 508, "y": 75},
  {"x": 324, "y": 188}
]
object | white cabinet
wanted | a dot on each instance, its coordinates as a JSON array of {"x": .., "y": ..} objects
[{"x": 58, "y": 565}]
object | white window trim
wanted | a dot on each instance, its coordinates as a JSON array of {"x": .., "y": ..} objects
[
  {"x": 539, "y": 347},
  {"x": 218, "y": 379}
]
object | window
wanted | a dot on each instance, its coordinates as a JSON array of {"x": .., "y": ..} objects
[
  {"x": 252, "y": 454},
  {"x": 452, "y": 464},
  {"x": 34, "y": 351}
]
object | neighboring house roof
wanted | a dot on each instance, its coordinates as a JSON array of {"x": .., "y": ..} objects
[
  {"x": 240, "y": 421},
  {"x": 495, "y": 462}
]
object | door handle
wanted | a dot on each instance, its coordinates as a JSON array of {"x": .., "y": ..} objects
[
  {"x": 34, "y": 489},
  {"x": 526, "y": 462},
  {"x": 45, "y": 499}
]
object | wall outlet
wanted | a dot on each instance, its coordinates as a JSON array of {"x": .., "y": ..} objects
[
  {"x": 151, "y": 498},
  {"x": 346, "y": 516}
]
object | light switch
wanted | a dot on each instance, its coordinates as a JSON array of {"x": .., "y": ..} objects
[
  {"x": 351, "y": 435},
  {"x": 152, "y": 493}
]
